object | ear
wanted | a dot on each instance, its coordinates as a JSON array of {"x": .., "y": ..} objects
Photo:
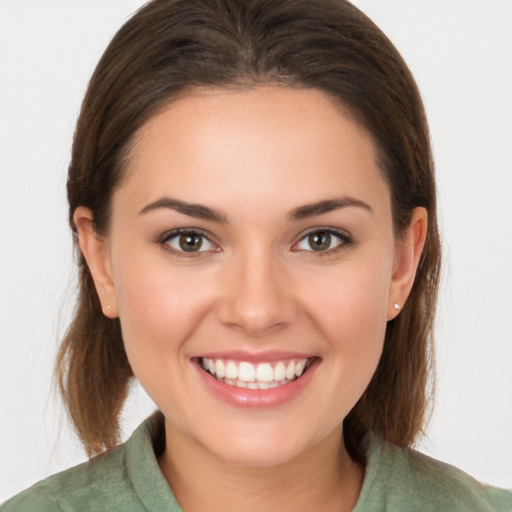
[
  {"x": 407, "y": 256},
  {"x": 96, "y": 253}
]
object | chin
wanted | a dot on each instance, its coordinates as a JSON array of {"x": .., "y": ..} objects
[
  {"x": 263, "y": 457},
  {"x": 260, "y": 450}
]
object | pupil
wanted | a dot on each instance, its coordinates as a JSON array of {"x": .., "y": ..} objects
[
  {"x": 320, "y": 241},
  {"x": 190, "y": 243}
]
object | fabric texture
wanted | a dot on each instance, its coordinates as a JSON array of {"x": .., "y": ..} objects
[{"x": 129, "y": 479}]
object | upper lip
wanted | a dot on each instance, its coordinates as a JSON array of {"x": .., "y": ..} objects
[{"x": 267, "y": 356}]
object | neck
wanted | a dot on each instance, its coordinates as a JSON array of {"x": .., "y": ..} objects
[{"x": 324, "y": 477}]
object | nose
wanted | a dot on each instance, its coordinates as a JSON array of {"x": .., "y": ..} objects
[{"x": 257, "y": 296}]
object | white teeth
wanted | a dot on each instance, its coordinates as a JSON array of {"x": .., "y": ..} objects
[
  {"x": 247, "y": 375},
  {"x": 290, "y": 370},
  {"x": 299, "y": 368},
  {"x": 231, "y": 370},
  {"x": 264, "y": 373},
  {"x": 280, "y": 372},
  {"x": 220, "y": 369},
  {"x": 254, "y": 385},
  {"x": 246, "y": 372}
]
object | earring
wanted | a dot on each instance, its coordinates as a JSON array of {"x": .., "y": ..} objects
[
  {"x": 396, "y": 306},
  {"x": 108, "y": 307}
]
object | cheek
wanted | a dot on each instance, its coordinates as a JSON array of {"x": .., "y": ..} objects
[
  {"x": 350, "y": 309},
  {"x": 354, "y": 298},
  {"x": 354, "y": 323},
  {"x": 158, "y": 314},
  {"x": 158, "y": 309}
]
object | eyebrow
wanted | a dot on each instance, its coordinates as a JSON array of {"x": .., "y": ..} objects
[
  {"x": 302, "y": 212},
  {"x": 191, "y": 209},
  {"x": 311, "y": 210}
]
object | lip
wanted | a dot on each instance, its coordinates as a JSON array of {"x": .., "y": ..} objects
[
  {"x": 257, "y": 357},
  {"x": 256, "y": 398}
]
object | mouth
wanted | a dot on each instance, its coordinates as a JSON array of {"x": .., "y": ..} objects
[{"x": 264, "y": 375}]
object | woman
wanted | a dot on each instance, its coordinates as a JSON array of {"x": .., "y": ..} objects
[{"x": 253, "y": 196}]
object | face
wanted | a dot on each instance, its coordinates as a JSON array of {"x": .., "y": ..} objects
[{"x": 252, "y": 263}]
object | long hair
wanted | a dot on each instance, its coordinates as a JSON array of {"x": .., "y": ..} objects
[{"x": 172, "y": 46}]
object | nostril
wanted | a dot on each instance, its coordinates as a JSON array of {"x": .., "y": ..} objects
[
  {"x": 255, "y": 297},
  {"x": 253, "y": 320}
]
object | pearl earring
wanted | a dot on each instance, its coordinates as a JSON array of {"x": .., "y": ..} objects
[{"x": 396, "y": 306}]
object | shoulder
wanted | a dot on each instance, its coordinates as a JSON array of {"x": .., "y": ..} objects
[
  {"x": 404, "y": 479},
  {"x": 127, "y": 478},
  {"x": 102, "y": 476},
  {"x": 39, "y": 497},
  {"x": 106, "y": 482}
]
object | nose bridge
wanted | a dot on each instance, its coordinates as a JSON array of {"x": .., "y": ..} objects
[{"x": 256, "y": 296}]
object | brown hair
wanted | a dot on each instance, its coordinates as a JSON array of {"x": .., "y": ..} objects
[{"x": 171, "y": 46}]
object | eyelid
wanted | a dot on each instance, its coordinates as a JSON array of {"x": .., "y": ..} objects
[
  {"x": 346, "y": 240},
  {"x": 173, "y": 233}
]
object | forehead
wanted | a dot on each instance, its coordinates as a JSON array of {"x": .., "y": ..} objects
[{"x": 271, "y": 143}]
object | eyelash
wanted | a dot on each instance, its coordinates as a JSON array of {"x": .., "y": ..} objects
[
  {"x": 164, "y": 240},
  {"x": 345, "y": 242}
]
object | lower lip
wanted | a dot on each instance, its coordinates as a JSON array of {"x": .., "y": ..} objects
[{"x": 257, "y": 398}]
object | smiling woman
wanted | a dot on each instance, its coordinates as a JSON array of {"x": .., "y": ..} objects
[
  {"x": 252, "y": 194},
  {"x": 278, "y": 280}
]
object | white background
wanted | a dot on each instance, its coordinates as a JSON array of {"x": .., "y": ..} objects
[{"x": 461, "y": 54}]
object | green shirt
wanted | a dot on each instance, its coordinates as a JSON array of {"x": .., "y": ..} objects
[{"x": 128, "y": 479}]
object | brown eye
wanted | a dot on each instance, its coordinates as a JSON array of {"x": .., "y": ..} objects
[
  {"x": 320, "y": 241},
  {"x": 324, "y": 240},
  {"x": 190, "y": 242}
]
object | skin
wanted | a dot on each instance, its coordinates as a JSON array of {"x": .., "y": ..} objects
[{"x": 257, "y": 285}]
